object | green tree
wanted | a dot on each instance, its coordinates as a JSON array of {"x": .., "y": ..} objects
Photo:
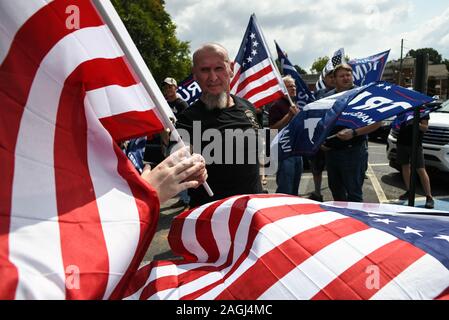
[
  {"x": 434, "y": 56},
  {"x": 154, "y": 34},
  {"x": 319, "y": 64}
]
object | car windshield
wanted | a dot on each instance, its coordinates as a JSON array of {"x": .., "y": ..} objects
[{"x": 444, "y": 107}]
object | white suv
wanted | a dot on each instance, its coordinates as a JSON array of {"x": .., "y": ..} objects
[{"x": 435, "y": 141}]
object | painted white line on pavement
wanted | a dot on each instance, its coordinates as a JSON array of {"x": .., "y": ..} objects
[
  {"x": 376, "y": 185},
  {"x": 379, "y": 164}
]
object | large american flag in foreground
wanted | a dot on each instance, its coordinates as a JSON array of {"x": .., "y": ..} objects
[
  {"x": 75, "y": 217},
  {"x": 285, "y": 247},
  {"x": 255, "y": 77}
]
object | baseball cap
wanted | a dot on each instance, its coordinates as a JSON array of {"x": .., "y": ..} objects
[{"x": 171, "y": 81}]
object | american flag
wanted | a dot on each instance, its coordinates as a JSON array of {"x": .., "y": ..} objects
[
  {"x": 337, "y": 58},
  {"x": 75, "y": 217},
  {"x": 285, "y": 247},
  {"x": 255, "y": 77}
]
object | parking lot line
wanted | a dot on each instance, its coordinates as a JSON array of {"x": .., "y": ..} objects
[
  {"x": 376, "y": 185},
  {"x": 379, "y": 164}
]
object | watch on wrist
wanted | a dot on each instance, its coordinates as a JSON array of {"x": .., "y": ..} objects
[{"x": 354, "y": 133}]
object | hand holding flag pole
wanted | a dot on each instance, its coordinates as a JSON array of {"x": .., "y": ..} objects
[{"x": 112, "y": 19}]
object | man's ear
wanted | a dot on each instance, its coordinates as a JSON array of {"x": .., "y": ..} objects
[{"x": 231, "y": 65}]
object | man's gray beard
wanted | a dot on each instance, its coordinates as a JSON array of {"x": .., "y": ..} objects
[{"x": 213, "y": 101}]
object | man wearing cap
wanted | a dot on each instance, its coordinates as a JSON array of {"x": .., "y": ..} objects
[
  {"x": 347, "y": 153},
  {"x": 216, "y": 115},
  {"x": 175, "y": 102},
  {"x": 329, "y": 82}
]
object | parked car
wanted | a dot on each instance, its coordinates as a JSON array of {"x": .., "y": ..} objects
[{"x": 435, "y": 141}]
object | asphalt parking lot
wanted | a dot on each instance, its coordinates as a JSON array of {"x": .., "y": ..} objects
[{"x": 383, "y": 184}]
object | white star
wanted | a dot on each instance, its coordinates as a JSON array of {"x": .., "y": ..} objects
[
  {"x": 386, "y": 221},
  {"x": 244, "y": 63},
  {"x": 254, "y": 52},
  {"x": 387, "y": 88},
  {"x": 249, "y": 59},
  {"x": 407, "y": 229},
  {"x": 380, "y": 85},
  {"x": 442, "y": 237},
  {"x": 255, "y": 44},
  {"x": 252, "y": 35}
]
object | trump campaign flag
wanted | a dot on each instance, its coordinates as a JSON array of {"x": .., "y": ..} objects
[
  {"x": 135, "y": 151},
  {"x": 369, "y": 69},
  {"x": 303, "y": 94},
  {"x": 272, "y": 247},
  {"x": 354, "y": 108},
  {"x": 309, "y": 128},
  {"x": 380, "y": 101},
  {"x": 255, "y": 76},
  {"x": 189, "y": 90},
  {"x": 407, "y": 117},
  {"x": 75, "y": 217}
]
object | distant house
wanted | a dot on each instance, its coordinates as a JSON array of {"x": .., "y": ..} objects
[
  {"x": 310, "y": 80},
  {"x": 437, "y": 76}
]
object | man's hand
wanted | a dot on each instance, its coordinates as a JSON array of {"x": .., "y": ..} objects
[
  {"x": 345, "y": 134},
  {"x": 176, "y": 173},
  {"x": 293, "y": 111}
]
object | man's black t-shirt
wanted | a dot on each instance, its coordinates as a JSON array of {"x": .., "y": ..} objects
[
  {"x": 405, "y": 135},
  {"x": 229, "y": 174}
]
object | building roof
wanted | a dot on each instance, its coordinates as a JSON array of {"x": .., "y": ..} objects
[{"x": 438, "y": 71}]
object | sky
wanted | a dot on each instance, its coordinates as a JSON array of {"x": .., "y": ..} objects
[{"x": 308, "y": 29}]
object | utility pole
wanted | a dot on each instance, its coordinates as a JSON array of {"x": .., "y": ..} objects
[
  {"x": 400, "y": 62},
  {"x": 421, "y": 67}
]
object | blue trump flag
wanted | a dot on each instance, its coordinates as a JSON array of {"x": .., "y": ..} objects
[
  {"x": 303, "y": 94},
  {"x": 369, "y": 69},
  {"x": 135, "y": 152},
  {"x": 354, "y": 108},
  {"x": 407, "y": 117},
  {"x": 380, "y": 101},
  {"x": 310, "y": 127},
  {"x": 189, "y": 90}
]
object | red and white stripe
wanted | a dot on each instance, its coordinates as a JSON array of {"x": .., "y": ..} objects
[
  {"x": 283, "y": 247},
  {"x": 71, "y": 201},
  {"x": 259, "y": 84}
]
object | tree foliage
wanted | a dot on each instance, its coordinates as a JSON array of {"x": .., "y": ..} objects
[
  {"x": 154, "y": 34},
  {"x": 319, "y": 64},
  {"x": 434, "y": 56}
]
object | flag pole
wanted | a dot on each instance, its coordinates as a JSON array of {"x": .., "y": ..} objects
[
  {"x": 385, "y": 64},
  {"x": 275, "y": 67},
  {"x": 115, "y": 24}
]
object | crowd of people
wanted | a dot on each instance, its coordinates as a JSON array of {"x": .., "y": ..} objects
[{"x": 344, "y": 154}]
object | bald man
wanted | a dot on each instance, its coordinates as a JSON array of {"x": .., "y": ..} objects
[{"x": 231, "y": 161}]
